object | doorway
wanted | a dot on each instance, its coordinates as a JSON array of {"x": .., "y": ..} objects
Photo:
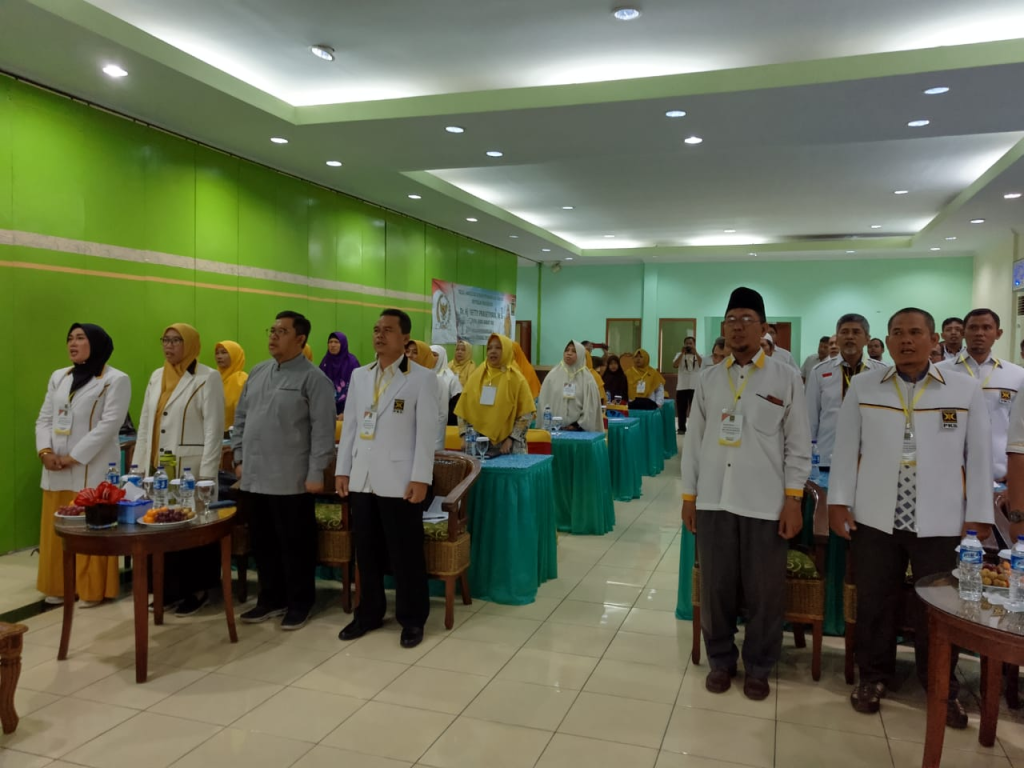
[{"x": 524, "y": 335}]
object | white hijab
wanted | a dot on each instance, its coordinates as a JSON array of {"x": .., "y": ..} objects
[
  {"x": 449, "y": 383},
  {"x": 585, "y": 407}
]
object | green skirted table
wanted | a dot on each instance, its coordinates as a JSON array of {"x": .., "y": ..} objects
[
  {"x": 512, "y": 522},
  {"x": 625, "y": 453},
  {"x": 668, "y": 416},
  {"x": 583, "y": 483},
  {"x": 653, "y": 458}
]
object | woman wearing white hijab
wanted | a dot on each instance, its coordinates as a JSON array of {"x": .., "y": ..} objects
[
  {"x": 449, "y": 388},
  {"x": 572, "y": 393}
]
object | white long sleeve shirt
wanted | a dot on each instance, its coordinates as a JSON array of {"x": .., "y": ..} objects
[
  {"x": 773, "y": 459},
  {"x": 1000, "y": 382},
  {"x": 953, "y": 445},
  {"x": 824, "y": 396}
]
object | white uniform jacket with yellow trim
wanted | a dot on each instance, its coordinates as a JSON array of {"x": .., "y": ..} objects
[{"x": 954, "y": 452}]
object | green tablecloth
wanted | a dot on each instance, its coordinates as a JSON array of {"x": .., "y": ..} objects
[
  {"x": 653, "y": 459},
  {"x": 668, "y": 415},
  {"x": 583, "y": 483},
  {"x": 512, "y": 523},
  {"x": 625, "y": 452},
  {"x": 687, "y": 549}
]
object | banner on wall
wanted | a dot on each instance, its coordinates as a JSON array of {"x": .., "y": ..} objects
[{"x": 472, "y": 314}]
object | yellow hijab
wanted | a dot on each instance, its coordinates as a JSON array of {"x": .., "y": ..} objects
[
  {"x": 525, "y": 368},
  {"x": 233, "y": 378},
  {"x": 512, "y": 397},
  {"x": 642, "y": 371},
  {"x": 463, "y": 370},
  {"x": 425, "y": 355},
  {"x": 172, "y": 375},
  {"x": 308, "y": 352},
  {"x": 597, "y": 377}
]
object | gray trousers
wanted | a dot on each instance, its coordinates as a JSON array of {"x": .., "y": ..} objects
[{"x": 742, "y": 562}]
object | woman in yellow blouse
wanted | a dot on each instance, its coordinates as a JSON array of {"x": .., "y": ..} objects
[
  {"x": 231, "y": 363},
  {"x": 645, "y": 382},
  {"x": 497, "y": 401}
]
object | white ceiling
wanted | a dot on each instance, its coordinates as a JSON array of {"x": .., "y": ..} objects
[{"x": 801, "y": 158}]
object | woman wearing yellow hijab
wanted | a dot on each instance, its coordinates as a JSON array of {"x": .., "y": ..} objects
[
  {"x": 463, "y": 365},
  {"x": 183, "y": 414},
  {"x": 525, "y": 368},
  {"x": 645, "y": 382},
  {"x": 419, "y": 352},
  {"x": 231, "y": 363},
  {"x": 496, "y": 401}
]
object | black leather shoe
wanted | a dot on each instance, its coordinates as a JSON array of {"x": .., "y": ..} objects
[
  {"x": 357, "y": 629},
  {"x": 956, "y": 715},
  {"x": 412, "y": 636},
  {"x": 866, "y": 697},
  {"x": 719, "y": 679},
  {"x": 756, "y": 688}
]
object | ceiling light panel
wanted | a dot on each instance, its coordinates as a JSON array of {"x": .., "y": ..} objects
[
  {"x": 324, "y": 52},
  {"x": 112, "y": 70}
]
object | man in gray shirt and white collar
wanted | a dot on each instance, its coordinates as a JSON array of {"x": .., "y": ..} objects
[{"x": 283, "y": 441}]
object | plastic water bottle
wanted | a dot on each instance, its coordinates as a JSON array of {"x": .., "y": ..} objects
[
  {"x": 160, "y": 484},
  {"x": 549, "y": 420},
  {"x": 815, "y": 463},
  {"x": 134, "y": 476},
  {"x": 970, "y": 567},
  {"x": 188, "y": 489},
  {"x": 113, "y": 475},
  {"x": 470, "y": 442},
  {"x": 1017, "y": 576}
]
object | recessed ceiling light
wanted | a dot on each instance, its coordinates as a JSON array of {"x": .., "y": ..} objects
[
  {"x": 851, "y": 251},
  {"x": 1011, "y": 195},
  {"x": 937, "y": 90},
  {"x": 495, "y": 153},
  {"x": 751, "y": 254},
  {"x": 936, "y": 248},
  {"x": 415, "y": 197},
  {"x": 692, "y": 140},
  {"x": 901, "y": 191},
  {"x": 568, "y": 258},
  {"x": 568, "y": 207},
  {"x": 455, "y": 129},
  {"x": 334, "y": 163},
  {"x": 471, "y": 219},
  {"x": 546, "y": 250},
  {"x": 514, "y": 237},
  {"x": 728, "y": 231},
  {"x": 876, "y": 226},
  {"x": 609, "y": 235},
  {"x": 324, "y": 52},
  {"x": 626, "y": 13},
  {"x": 977, "y": 221},
  {"x": 114, "y": 71},
  {"x": 278, "y": 140},
  {"x": 918, "y": 123},
  {"x": 675, "y": 113}
]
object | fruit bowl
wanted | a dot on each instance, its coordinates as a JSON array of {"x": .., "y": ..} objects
[{"x": 100, "y": 516}]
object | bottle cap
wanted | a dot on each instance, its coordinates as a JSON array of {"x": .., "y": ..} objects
[
  {"x": 1020, "y": 538},
  {"x": 971, "y": 532}
]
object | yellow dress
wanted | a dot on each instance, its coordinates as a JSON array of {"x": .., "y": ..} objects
[{"x": 97, "y": 577}]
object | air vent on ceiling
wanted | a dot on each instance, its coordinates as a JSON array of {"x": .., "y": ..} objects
[{"x": 1020, "y": 306}]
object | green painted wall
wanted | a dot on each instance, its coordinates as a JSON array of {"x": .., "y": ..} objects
[
  {"x": 811, "y": 294},
  {"x": 71, "y": 171}
]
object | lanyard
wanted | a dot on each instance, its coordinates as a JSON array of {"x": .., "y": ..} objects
[
  {"x": 899, "y": 392},
  {"x": 995, "y": 364},
  {"x": 736, "y": 394},
  {"x": 378, "y": 390}
]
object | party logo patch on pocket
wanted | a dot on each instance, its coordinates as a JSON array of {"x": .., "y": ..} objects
[{"x": 949, "y": 418}]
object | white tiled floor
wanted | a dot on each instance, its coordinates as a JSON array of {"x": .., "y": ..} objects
[{"x": 595, "y": 673}]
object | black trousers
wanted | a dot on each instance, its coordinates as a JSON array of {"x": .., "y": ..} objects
[
  {"x": 741, "y": 560},
  {"x": 283, "y": 533},
  {"x": 879, "y": 574},
  {"x": 189, "y": 571},
  {"x": 683, "y": 399},
  {"x": 390, "y": 530}
]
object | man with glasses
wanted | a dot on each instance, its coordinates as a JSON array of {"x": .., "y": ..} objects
[
  {"x": 283, "y": 442},
  {"x": 745, "y": 462}
]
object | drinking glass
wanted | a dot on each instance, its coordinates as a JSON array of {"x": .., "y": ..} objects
[
  {"x": 147, "y": 487},
  {"x": 483, "y": 444},
  {"x": 205, "y": 489},
  {"x": 557, "y": 424}
]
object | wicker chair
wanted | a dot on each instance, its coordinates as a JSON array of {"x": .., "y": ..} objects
[
  {"x": 448, "y": 559},
  {"x": 334, "y": 544},
  {"x": 10, "y": 669},
  {"x": 805, "y": 598}
]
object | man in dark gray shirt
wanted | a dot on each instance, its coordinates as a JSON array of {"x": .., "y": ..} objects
[{"x": 283, "y": 441}]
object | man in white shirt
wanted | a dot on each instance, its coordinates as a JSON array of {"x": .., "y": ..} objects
[
  {"x": 385, "y": 465},
  {"x": 876, "y": 348},
  {"x": 780, "y": 354},
  {"x": 913, "y": 453},
  {"x": 745, "y": 462},
  {"x": 688, "y": 364},
  {"x": 830, "y": 381},
  {"x": 1000, "y": 380},
  {"x": 952, "y": 338},
  {"x": 813, "y": 360},
  {"x": 719, "y": 352}
]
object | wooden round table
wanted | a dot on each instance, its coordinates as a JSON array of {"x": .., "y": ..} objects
[
  {"x": 140, "y": 542},
  {"x": 991, "y": 631}
]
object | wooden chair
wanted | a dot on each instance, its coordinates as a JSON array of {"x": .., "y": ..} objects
[
  {"x": 448, "y": 559},
  {"x": 10, "y": 671},
  {"x": 805, "y": 598},
  {"x": 334, "y": 545}
]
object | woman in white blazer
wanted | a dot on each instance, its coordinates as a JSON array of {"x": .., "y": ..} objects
[
  {"x": 76, "y": 438},
  {"x": 183, "y": 412}
]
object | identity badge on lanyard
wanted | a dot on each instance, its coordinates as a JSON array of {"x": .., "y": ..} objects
[
  {"x": 368, "y": 424},
  {"x": 641, "y": 387},
  {"x": 487, "y": 394},
  {"x": 62, "y": 424},
  {"x": 569, "y": 391},
  {"x": 730, "y": 432},
  {"x": 908, "y": 456}
]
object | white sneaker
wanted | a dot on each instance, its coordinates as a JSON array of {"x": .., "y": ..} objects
[
  {"x": 88, "y": 603},
  {"x": 53, "y": 600}
]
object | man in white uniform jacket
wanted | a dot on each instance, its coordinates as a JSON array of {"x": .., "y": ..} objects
[
  {"x": 912, "y": 462},
  {"x": 385, "y": 465}
]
